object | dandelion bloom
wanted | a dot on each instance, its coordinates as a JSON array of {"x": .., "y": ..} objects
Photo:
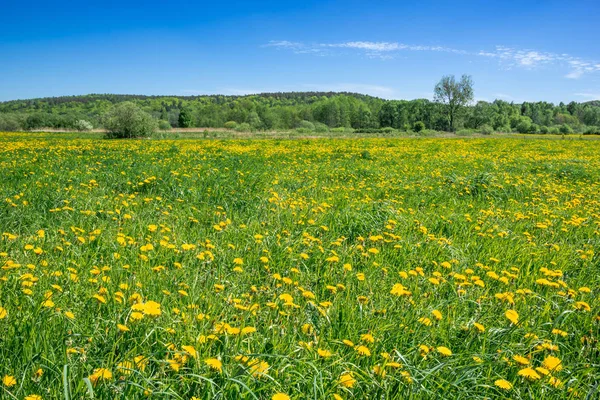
[
  {"x": 521, "y": 360},
  {"x": 280, "y": 396},
  {"x": 363, "y": 350},
  {"x": 190, "y": 350},
  {"x": 529, "y": 373},
  {"x": 512, "y": 316},
  {"x": 215, "y": 364},
  {"x": 33, "y": 397},
  {"x": 324, "y": 353},
  {"x": 552, "y": 363},
  {"x": 503, "y": 384},
  {"x": 9, "y": 381},
  {"x": 100, "y": 374},
  {"x": 444, "y": 351},
  {"x": 346, "y": 380}
]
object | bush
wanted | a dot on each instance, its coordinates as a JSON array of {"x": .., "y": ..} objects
[
  {"x": 127, "y": 120},
  {"x": 565, "y": 129},
  {"x": 9, "y": 123},
  {"x": 321, "y": 128},
  {"x": 306, "y": 125},
  {"x": 340, "y": 129},
  {"x": 388, "y": 130},
  {"x": 164, "y": 125},
  {"x": 465, "y": 132},
  {"x": 524, "y": 125},
  {"x": 230, "y": 125},
  {"x": 534, "y": 128},
  {"x": 544, "y": 129},
  {"x": 243, "y": 127},
  {"x": 486, "y": 129},
  {"x": 418, "y": 126},
  {"x": 592, "y": 130},
  {"x": 553, "y": 130},
  {"x": 82, "y": 125}
]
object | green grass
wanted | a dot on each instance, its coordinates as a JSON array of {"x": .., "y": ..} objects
[{"x": 482, "y": 216}]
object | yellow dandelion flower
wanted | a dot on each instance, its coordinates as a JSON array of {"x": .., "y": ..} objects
[
  {"x": 9, "y": 381},
  {"x": 346, "y": 380},
  {"x": 529, "y": 373},
  {"x": 552, "y": 363},
  {"x": 503, "y": 384},
  {"x": 214, "y": 364},
  {"x": 444, "y": 351},
  {"x": 512, "y": 316}
]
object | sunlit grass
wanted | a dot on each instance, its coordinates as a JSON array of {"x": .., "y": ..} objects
[{"x": 374, "y": 268}]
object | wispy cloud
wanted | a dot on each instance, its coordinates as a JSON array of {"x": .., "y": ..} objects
[
  {"x": 508, "y": 57},
  {"x": 588, "y": 95}
]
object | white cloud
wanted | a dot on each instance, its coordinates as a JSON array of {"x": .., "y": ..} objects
[
  {"x": 508, "y": 57},
  {"x": 588, "y": 95}
]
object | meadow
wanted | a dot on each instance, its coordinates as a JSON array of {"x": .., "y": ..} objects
[{"x": 399, "y": 268}]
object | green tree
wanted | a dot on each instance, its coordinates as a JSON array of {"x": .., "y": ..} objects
[
  {"x": 185, "y": 118},
  {"x": 127, "y": 120},
  {"x": 454, "y": 95}
]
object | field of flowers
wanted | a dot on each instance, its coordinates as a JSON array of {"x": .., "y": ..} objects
[{"x": 299, "y": 269}]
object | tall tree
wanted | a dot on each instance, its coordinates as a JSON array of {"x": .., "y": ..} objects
[{"x": 454, "y": 95}]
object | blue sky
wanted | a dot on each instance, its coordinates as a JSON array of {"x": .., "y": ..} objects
[{"x": 514, "y": 50}]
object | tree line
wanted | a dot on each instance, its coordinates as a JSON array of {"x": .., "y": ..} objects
[{"x": 310, "y": 111}]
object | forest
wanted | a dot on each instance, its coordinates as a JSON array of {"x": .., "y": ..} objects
[{"x": 309, "y": 111}]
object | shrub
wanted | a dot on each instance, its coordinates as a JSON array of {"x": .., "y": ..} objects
[
  {"x": 544, "y": 129},
  {"x": 321, "y": 128},
  {"x": 553, "y": 130},
  {"x": 306, "y": 125},
  {"x": 243, "y": 127},
  {"x": 340, "y": 129},
  {"x": 230, "y": 125},
  {"x": 185, "y": 118},
  {"x": 164, "y": 125},
  {"x": 388, "y": 130},
  {"x": 83, "y": 125},
  {"x": 534, "y": 128},
  {"x": 9, "y": 123},
  {"x": 418, "y": 126},
  {"x": 524, "y": 125},
  {"x": 592, "y": 130},
  {"x": 565, "y": 129},
  {"x": 465, "y": 132},
  {"x": 127, "y": 120},
  {"x": 486, "y": 129}
]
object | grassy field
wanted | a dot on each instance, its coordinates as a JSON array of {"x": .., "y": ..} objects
[{"x": 314, "y": 269}]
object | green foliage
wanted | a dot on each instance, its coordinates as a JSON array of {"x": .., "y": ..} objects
[
  {"x": 185, "y": 118},
  {"x": 230, "y": 125},
  {"x": 306, "y": 126},
  {"x": 486, "y": 129},
  {"x": 565, "y": 129},
  {"x": 285, "y": 111},
  {"x": 454, "y": 96},
  {"x": 244, "y": 127},
  {"x": 321, "y": 127},
  {"x": 83, "y": 125},
  {"x": 164, "y": 125},
  {"x": 127, "y": 120},
  {"x": 11, "y": 122},
  {"x": 418, "y": 126}
]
